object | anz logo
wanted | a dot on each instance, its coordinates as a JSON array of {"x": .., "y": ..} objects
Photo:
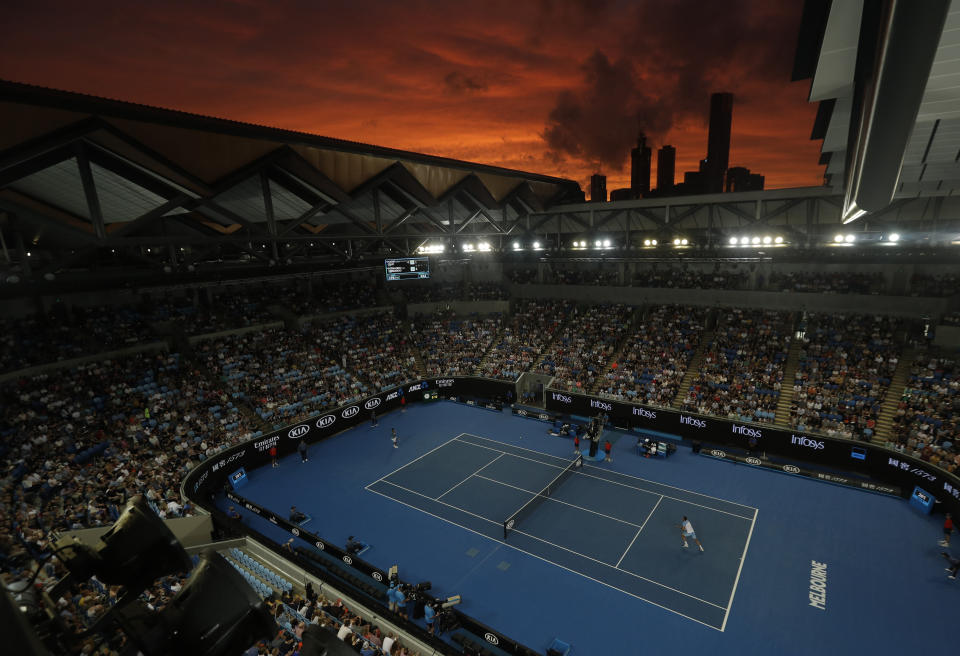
[
  {"x": 392, "y": 395},
  {"x": 793, "y": 469},
  {"x": 372, "y": 403},
  {"x": 326, "y": 421},
  {"x": 350, "y": 412},
  {"x": 298, "y": 431}
]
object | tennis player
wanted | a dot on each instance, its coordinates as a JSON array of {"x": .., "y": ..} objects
[{"x": 686, "y": 531}]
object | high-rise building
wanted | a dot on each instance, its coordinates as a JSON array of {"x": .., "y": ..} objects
[
  {"x": 740, "y": 178},
  {"x": 598, "y": 188},
  {"x": 666, "y": 169},
  {"x": 640, "y": 167},
  {"x": 718, "y": 142}
]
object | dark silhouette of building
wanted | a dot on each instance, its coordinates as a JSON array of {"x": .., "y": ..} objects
[
  {"x": 598, "y": 188},
  {"x": 640, "y": 167},
  {"x": 739, "y": 178},
  {"x": 666, "y": 169},
  {"x": 718, "y": 142}
]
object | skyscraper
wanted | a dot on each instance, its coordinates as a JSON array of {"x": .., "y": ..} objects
[
  {"x": 718, "y": 142},
  {"x": 666, "y": 169},
  {"x": 640, "y": 167},
  {"x": 598, "y": 188}
]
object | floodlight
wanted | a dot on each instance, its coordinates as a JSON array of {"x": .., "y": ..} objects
[
  {"x": 744, "y": 241},
  {"x": 516, "y": 245},
  {"x": 838, "y": 239},
  {"x": 893, "y": 238},
  {"x": 684, "y": 242},
  {"x": 778, "y": 240},
  {"x": 850, "y": 239},
  {"x": 733, "y": 241},
  {"x": 216, "y": 613},
  {"x": 137, "y": 550},
  {"x": 768, "y": 240},
  {"x": 755, "y": 240},
  {"x": 653, "y": 242},
  {"x": 676, "y": 241},
  {"x": 606, "y": 243},
  {"x": 536, "y": 244}
]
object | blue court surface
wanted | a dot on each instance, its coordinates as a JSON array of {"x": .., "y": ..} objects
[{"x": 600, "y": 563}]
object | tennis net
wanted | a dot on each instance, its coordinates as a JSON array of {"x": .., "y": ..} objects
[{"x": 551, "y": 487}]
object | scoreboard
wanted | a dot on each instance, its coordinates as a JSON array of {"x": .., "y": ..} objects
[{"x": 407, "y": 268}]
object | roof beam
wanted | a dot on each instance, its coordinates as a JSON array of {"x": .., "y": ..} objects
[{"x": 90, "y": 192}]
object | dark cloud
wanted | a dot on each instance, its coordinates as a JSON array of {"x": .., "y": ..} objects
[
  {"x": 457, "y": 83},
  {"x": 598, "y": 122}
]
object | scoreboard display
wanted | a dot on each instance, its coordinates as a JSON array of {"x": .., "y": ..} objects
[{"x": 407, "y": 268}]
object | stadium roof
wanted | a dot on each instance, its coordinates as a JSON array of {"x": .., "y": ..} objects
[
  {"x": 887, "y": 77},
  {"x": 95, "y": 173}
]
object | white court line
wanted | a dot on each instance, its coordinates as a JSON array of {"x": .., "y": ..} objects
[
  {"x": 558, "y": 546},
  {"x": 572, "y": 505},
  {"x": 739, "y": 569},
  {"x": 734, "y": 503},
  {"x": 638, "y": 533},
  {"x": 452, "y": 439},
  {"x": 540, "y": 558},
  {"x": 606, "y": 480},
  {"x": 470, "y": 476}
]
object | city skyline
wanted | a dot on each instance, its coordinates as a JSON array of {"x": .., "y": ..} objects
[{"x": 551, "y": 87}]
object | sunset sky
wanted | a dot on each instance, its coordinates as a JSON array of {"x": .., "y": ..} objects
[{"x": 550, "y": 86}]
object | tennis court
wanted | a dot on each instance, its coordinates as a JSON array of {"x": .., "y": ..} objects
[{"x": 616, "y": 530}]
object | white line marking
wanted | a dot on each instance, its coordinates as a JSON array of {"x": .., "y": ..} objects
[
  {"x": 739, "y": 569},
  {"x": 470, "y": 476},
  {"x": 449, "y": 505},
  {"x": 637, "y": 478},
  {"x": 607, "y": 480},
  {"x": 452, "y": 439},
  {"x": 572, "y": 505},
  {"x": 541, "y": 558},
  {"x": 638, "y": 533}
]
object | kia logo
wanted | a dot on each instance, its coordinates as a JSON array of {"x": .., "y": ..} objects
[
  {"x": 348, "y": 560},
  {"x": 326, "y": 421},
  {"x": 377, "y": 576},
  {"x": 298, "y": 431},
  {"x": 510, "y": 524},
  {"x": 350, "y": 412},
  {"x": 319, "y": 545},
  {"x": 372, "y": 403},
  {"x": 718, "y": 453},
  {"x": 791, "y": 468},
  {"x": 492, "y": 639},
  {"x": 295, "y": 531},
  {"x": 753, "y": 461}
]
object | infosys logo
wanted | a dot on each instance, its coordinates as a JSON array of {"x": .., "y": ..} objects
[
  {"x": 746, "y": 430},
  {"x": 803, "y": 440},
  {"x": 372, "y": 403},
  {"x": 326, "y": 421},
  {"x": 600, "y": 404},
  {"x": 643, "y": 412},
  {"x": 298, "y": 431},
  {"x": 562, "y": 398},
  {"x": 350, "y": 412},
  {"x": 445, "y": 382},
  {"x": 693, "y": 421}
]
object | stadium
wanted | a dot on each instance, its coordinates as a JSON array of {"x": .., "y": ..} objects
[{"x": 269, "y": 392}]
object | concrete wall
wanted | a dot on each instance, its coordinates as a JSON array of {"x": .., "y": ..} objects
[
  {"x": 854, "y": 303},
  {"x": 947, "y": 336},
  {"x": 236, "y": 331}
]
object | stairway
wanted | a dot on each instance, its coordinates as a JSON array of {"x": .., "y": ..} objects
[
  {"x": 782, "y": 417},
  {"x": 888, "y": 409},
  {"x": 705, "y": 340}
]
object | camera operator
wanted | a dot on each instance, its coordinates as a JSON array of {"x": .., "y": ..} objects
[{"x": 429, "y": 613}]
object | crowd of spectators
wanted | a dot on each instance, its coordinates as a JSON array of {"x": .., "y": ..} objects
[
  {"x": 596, "y": 277},
  {"x": 846, "y": 363},
  {"x": 741, "y": 373},
  {"x": 456, "y": 291},
  {"x": 656, "y": 356},
  {"x": 927, "y": 419},
  {"x": 822, "y": 282},
  {"x": 517, "y": 348},
  {"x": 585, "y": 345},
  {"x": 521, "y": 276},
  {"x": 682, "y": 277},
  {"x": 945, "y": 284},
  {"x": 453, "y": 346},
  {"x": 952, "y": 319},
  {"x": 286, "y": 375}
]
